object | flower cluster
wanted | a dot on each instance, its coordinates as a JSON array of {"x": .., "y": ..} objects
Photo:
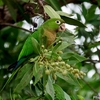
[{"x": 53, "y": 64}]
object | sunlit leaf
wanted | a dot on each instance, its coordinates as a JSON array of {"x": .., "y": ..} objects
[
  {"x": 81, "y": 97},
  {"x": 54, "y": 3},
  {"x": 61, "y": 13},
  {"x": 51, "y": 12}
]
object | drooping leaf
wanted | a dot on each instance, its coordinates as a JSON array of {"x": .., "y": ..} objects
[
  {"x": 51, "y": 12},
  {"x": 25, "y": 79},
  {"x": 38, "y": 72},
  {"x": 68, "y": 79},
  {"x": 72, "y": 21},
  {"x": 49, "y": 88},
  {"x": 22, "y": 71},
  {"x": 59, "y": 93},
  {"x": 73, "y": 55},
  {"x": 67, "y": 97},
  {"x": 9, "y": 80},
  {"x": 47, "y": 97}
]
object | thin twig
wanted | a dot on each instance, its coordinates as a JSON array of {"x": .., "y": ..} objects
[
  {"x": 90, "y": 86},
  {"x": 12, "y": 25}
]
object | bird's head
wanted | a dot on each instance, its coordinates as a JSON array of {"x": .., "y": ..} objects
[{"x": 55, "y": 24}]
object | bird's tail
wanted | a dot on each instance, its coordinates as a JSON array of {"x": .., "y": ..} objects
[{"x": 16, "y": 64}]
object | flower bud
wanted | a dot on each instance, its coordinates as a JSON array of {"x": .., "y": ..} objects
[
  {"x": 59, "y": 58},
  {"x": 60, "y": 52},
  {"x": 64, "y": 72},
  {"x": 42, "y": 46},
  {"x": 47, "y": 72},
  {"x": 45, "y": 50}
]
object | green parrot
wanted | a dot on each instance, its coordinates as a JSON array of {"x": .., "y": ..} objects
[{"x": 46, "y": 32}]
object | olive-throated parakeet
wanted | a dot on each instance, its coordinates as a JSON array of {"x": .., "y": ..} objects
[{"x": 48, "y": 30}]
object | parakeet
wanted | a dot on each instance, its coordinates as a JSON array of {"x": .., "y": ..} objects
[{"x": 49, "y": 30}]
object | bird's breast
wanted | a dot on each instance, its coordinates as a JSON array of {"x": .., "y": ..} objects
[{"x": 51, "y": 36}]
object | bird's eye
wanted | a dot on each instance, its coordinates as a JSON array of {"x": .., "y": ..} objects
[{"x": 58, "y": 22}]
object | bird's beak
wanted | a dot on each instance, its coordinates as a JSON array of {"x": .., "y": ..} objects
[{"x": 62, "y": 27}]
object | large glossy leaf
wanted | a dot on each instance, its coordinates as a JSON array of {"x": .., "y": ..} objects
[{"x": 51, "y": 12}]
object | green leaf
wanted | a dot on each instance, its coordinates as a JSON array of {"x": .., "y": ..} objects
[
  {"x": 84, "y": 11},
  {"x": 38, "y": 72},
  {"x": 59, "y": 93},
  {"x": 25, "y": 79},
  {"x": 73, "y": 55},
  {"x": 65, "y": 42},
  {"x": 47, "y": 97},
  {"x": 49, "y": 88},
  {"x": 66, "y": 38},
  {"x": 11, "y": 8},
  {"x": 62, "y": 46},
  {"x": 1, "y": 2},
  {"x": 67, "y": 97},
  {"x": 69, "y": 79},
  {"x": 51, "y": 12},
  {"x": 98, "y": 2},
  {"x": 36, "y": 45},
  {"x": 61, "y": 13},
  {"x": 8, "y": 81},
  {"x": 21, "y": 72},
  {"x": 80, "y": 97},
  {"x": 54, "y": 3},
  {"x": 72, "y": 21}
]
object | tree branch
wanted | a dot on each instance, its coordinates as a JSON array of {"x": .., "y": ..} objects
[{"x": 12, "y": 25}]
